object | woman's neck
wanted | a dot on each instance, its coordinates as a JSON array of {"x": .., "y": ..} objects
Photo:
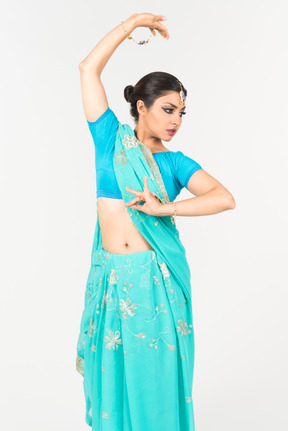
[{"x": 154, "y": 144}]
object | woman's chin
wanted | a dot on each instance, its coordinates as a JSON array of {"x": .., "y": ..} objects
[{"x": 167, "y": 139}]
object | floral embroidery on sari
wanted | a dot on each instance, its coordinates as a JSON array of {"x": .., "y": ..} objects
[
  {"x": 112, "y": 340},
  {"x": 80, "y": 365},
  {"x": 130, "y": 142},
  {"x": 127, "y": 308},
  {"x": 183, "y": 327},
  {"x": 120, "y": 158}
]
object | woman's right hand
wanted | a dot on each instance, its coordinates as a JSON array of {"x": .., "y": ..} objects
[{"x": 152, "y": 22}]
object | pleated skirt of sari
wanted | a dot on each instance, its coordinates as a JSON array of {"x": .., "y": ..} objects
[{"x": 136, "y": 346}]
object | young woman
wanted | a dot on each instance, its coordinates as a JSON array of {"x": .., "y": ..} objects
[{"x": 136, "y": 344}]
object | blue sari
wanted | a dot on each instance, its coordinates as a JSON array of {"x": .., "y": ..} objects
[{"x": 151, "y": 389}]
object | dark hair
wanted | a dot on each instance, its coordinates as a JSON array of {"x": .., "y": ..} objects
[{"x": 149, "y": 88}]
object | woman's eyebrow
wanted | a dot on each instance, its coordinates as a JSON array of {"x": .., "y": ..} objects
[{"x": 174, "y": 106}]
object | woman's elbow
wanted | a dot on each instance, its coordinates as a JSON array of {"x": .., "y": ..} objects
[{"x": 231, "y": 202}]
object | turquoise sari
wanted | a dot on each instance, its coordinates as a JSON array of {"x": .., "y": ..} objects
[{"x": 151, "y": 388}]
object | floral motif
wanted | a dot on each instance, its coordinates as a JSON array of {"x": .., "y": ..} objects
[
  {"x": 113, "y": 277},
  {"x": 164, "y": 270},
  {"x": 156, "y": 280},
  {"x": 155, "y": 344},
  {"x": 125, "y": 286},
  {"x": 127, "y": 308},
  {"x": 145, "y": 280},
  {"x": 92, "y": 328},
  {"x": 183, "y": 327},
  {"x": 80, "y": 365},
  {"x": 188, "y": 399},
  {"x": 105, "y": 298},
  {"x": 130, "y": 142},
  {"x": 105, "y": 415},
  {"x": 140, "y": 335},
  {"x": 171, "y": 346},
  {"x": 112, "y": 340},
  {"x": 120, "y": 158}
]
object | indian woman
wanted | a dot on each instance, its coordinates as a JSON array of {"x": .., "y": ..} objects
[{"x": 136, "y": 344}]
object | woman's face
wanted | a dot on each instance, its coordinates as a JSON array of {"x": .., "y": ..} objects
[{"x": 165, "y": 114}]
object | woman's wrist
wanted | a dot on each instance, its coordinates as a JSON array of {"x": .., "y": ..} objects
[
  {"x": 168, "y": 209},
  {"x": 131, "y": 23},
  {"x": 101, "y": 53}
]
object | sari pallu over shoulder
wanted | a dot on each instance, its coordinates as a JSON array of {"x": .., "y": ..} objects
[{"x": 132, "y": 161}]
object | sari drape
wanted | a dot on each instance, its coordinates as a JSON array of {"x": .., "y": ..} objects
[{"x": 132, "y": 161}]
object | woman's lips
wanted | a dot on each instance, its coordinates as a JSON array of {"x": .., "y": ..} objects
[{"x": 171, "y": 132}]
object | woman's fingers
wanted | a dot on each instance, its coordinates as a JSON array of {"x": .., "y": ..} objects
[
  {"x": 138, "y": 192},
  {"x": 142, "y": 196},
  {"x": 161, "y": 29},
  {"x": 153, "y": 22},
  {"x": 134, "y": 201},
  {"x": 137, "y": 207},
  {"x": 160, "y": 17},
  {"x": 133, "y": 191}
]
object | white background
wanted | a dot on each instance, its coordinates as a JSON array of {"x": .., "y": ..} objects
[{"x": 232, "y": 58}]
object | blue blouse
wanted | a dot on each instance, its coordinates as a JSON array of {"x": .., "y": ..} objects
[{"x": 176, "y": 169}]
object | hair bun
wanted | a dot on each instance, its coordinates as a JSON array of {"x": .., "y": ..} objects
[{"x": 128, "y": 92}]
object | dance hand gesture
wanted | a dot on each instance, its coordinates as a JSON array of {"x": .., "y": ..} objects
[
  {"x": 152, "y": 205},
  {"x": 152, "y": 22}
]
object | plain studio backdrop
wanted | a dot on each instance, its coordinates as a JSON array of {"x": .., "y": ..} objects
[{"x": 232, "y": 58}]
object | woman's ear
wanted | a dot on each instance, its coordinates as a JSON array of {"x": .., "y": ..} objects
[{"x": 141, "y": 107}]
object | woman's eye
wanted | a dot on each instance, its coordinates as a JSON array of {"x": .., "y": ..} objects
[{"x": 169, "y": 109}]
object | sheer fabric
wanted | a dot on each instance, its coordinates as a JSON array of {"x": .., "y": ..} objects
[{"x": 136, "y": 344}]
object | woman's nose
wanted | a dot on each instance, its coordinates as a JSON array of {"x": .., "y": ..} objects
[{"x": 177, "y": 122}]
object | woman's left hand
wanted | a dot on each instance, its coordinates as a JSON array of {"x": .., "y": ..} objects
[{"x": 152, "y": 205}]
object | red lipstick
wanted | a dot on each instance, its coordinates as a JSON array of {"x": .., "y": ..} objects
[{"x": 171, "y": 131}]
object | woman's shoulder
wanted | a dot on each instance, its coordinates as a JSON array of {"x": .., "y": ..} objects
[
  {"x": 103, "y": 129},
  {"x": 183, "y": 162},
  {"x": 179, "y": 155},
  {"x": 175, "y": 156}
]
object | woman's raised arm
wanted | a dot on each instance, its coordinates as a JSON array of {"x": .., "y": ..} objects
[
  {"x": 94, "y": 98},
  {"x": 101, "y": 53}
]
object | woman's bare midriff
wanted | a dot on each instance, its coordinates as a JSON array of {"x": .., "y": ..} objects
[{"x": 119, "y": 234}]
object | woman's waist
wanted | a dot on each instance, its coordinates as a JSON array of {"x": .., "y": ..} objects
[{"x": 118, "y": 232}]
